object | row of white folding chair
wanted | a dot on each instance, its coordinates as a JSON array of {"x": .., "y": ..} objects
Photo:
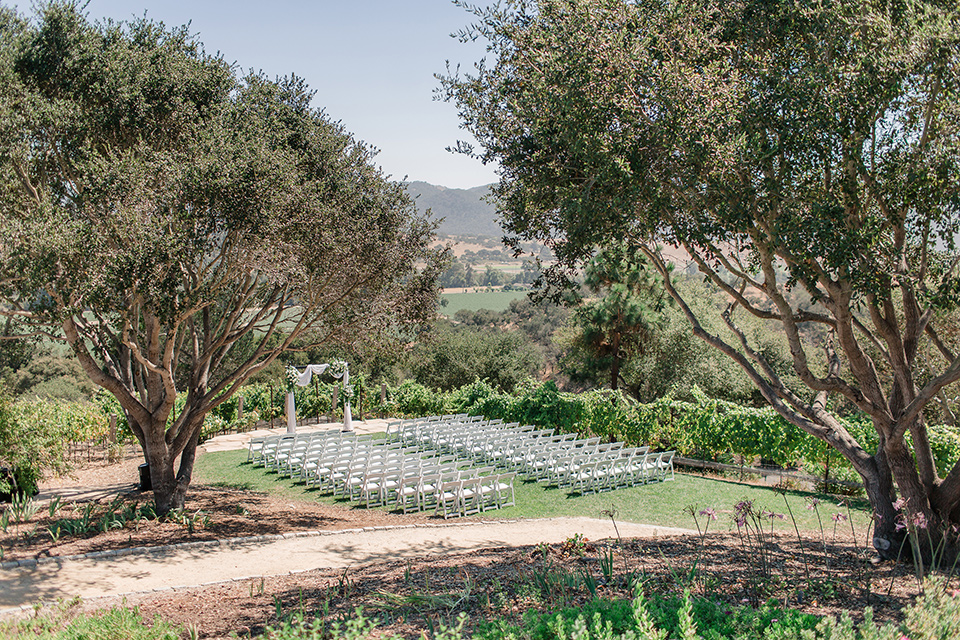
[
  {"x": 395, "y": 428},
  {"x": 411, "y": 486},
  {"x": 536, "y": 463},
  {"x": 500, "y": 446},
  {"x": 525, "y": 456},
  {"x": 613, "y": 458},
  {"x": 255, "y": 448},
  {"x": 642, "y": 467},
  {"x": 474, "y": 441},
  {"x": 335, "y": 466},
  {"x": 490, "y": 444},
  {"x": 305, "y": 462},
  {"x": 464, "y": 440},
  {"x": 409, "y": 430},
  {"x": 276, "y": 451},
  {"x": 264, "y": 453},
  {"x": 382, "y": 485},
  {"x": 350, "y": 472},
  {"x": 260, "y": 446},
  {"x": 435, "y": 432},
  {"x": 314, "y": 460},
  {"x": 608, "y": 470},
  {"x": 431, "y": 433},
  {"x": 425, "y": 492},
  {"x": 415, "y": 492},
  {"x": 369, "y": 462},
  {"x": 301, "y": 459},
  {"x": 468, "y": 496},
  {"x": 356, "y": 477},
  {"x": 566, "y": 467},
  {"x": 290, "y": 460},
  {"x": 273, "y": 446}
]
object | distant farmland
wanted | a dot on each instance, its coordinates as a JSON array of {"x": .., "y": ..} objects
[{"x": 474, "y": 301}]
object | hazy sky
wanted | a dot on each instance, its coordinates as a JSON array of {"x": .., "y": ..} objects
[{"x": 371, "y": 62}]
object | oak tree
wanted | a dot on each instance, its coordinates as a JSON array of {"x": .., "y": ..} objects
[
  {"x": 783, "y": 146},
  {"x": 157, "y": 210}
]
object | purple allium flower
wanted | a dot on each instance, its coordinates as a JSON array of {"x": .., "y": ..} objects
[
  {"x": 919, "y": 520},
  {"x": 839, "y": 517},
  {"x": 709, "y": 512}
]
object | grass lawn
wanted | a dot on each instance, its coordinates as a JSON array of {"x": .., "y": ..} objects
[
  {"x": 663, "y": 504},
  {"x": 493, "y": 300}
]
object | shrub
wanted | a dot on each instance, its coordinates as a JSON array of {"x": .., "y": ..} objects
[
  {"x": 934, "y": 616},
  {"x": 29, "y": 443},
  {"x": 705, "y": 428},
  {"x": 414, "y": 399}
]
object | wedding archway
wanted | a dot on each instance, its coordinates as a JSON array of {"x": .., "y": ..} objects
[{"x": 338, "y": 369}]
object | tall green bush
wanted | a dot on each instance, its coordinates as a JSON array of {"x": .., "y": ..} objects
[
  {"x": 706, "y": 428},
  {"x": 30, "y": 442}
]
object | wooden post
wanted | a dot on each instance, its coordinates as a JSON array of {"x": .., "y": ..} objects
[
  {"x": 360, "y": 401},
  {"x": 271, "y": 407},
  {"x": 112, "y": 449},
  {"x": 826, "y": 473},
  {"x": 383, "y": 393},
  {"x": 333, "y": 402},
  {"x": 239, "y": 407},
  {"x": 316, "y": 395}
]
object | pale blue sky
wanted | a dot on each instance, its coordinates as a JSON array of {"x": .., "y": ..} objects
[{"x": 371, "y": 62}]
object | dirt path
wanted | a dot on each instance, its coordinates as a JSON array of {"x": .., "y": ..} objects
[{"x": 190, "y": 565}]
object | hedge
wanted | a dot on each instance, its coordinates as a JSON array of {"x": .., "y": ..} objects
[{"x": 708, "y": 429}]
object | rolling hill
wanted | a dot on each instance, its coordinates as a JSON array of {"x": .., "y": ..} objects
[{"x": 462, "y": 210}]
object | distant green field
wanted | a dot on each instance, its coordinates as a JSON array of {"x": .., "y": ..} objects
[{"x": 493, "y": 300}]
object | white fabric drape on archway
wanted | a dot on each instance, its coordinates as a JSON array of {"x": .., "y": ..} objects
[{"x": 303, "y": 380}]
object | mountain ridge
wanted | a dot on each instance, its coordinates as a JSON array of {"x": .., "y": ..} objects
[{"x": 463, "y": 211}]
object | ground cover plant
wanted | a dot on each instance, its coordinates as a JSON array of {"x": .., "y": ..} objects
[{"x": 117, "y": 623}]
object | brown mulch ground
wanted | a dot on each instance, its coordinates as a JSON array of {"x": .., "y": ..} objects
[
  {"x": 410, "y": 598},
  {"x": 225, "y": 513}
]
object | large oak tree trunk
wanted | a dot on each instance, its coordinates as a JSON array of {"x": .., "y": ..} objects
[
  {"x": 169, "y": 482},
  {"x": 887, "y": 540}
]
